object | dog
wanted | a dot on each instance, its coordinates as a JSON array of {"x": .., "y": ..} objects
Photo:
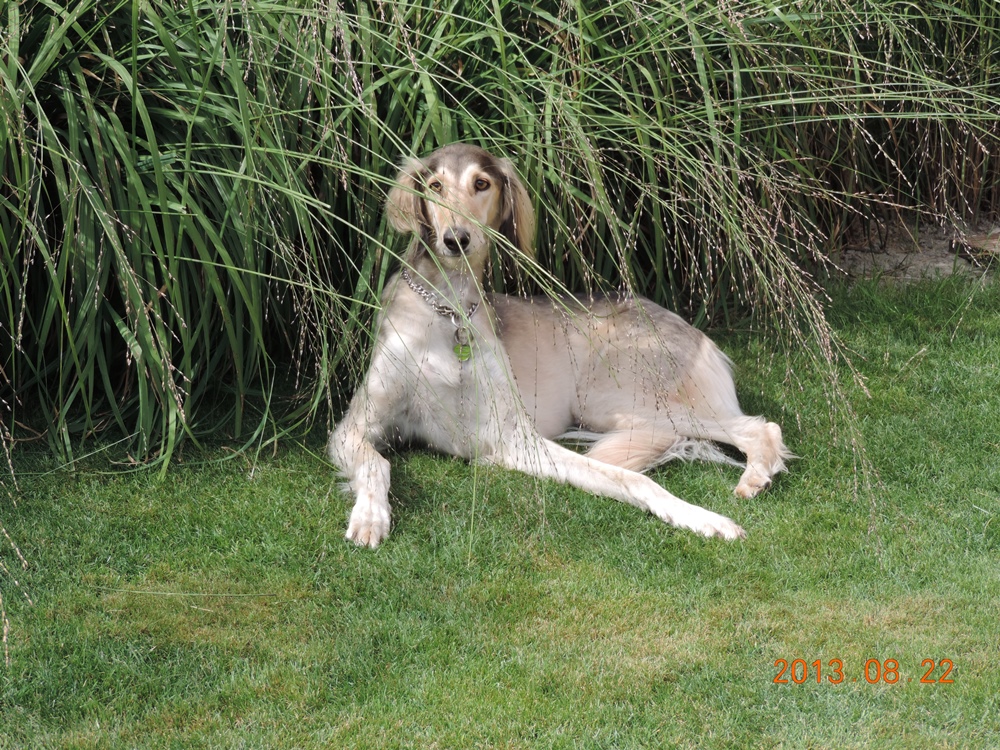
[{"x": 496, "y": 379}]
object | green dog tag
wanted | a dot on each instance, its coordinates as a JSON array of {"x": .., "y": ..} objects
[{"x": 463, "y": 344}]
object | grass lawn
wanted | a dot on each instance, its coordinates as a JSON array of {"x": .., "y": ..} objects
[{"x": 220, "y": 607}]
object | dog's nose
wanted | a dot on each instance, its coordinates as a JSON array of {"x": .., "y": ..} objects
[{"x": 456, "y": 240}]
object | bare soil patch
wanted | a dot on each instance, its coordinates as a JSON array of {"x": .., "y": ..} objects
[{"x": 904, "y": 250}]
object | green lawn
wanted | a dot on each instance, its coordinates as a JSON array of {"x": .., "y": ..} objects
[{"x": 220, "y": 607}]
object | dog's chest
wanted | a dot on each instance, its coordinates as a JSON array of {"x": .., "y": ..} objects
[
  {"x": 459, "y": 387},
  {"x": 441, "y": 369}
]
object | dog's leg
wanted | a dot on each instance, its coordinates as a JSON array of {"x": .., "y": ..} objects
[
  {"x": 352, "y": 449},
  {"x": 543, "y": 458},
  {"x": 765, "y": 451},
  {"x": 757, "y": 438},
  {"x": 367, "y": 473}
]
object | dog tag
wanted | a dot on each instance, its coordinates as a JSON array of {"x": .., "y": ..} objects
[{"x": 462, "y": 348}]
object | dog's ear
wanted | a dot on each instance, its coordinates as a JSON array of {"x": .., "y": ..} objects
[
  {"x": 518, "y": 224},
  {"x": 403, "y": 203}
]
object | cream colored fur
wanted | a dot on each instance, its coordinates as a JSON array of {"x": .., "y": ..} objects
[{"x": 633, "y": 380}]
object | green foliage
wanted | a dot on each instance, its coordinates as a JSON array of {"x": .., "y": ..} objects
[{"x": 190, "y": 191}]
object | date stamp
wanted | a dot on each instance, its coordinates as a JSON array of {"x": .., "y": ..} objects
[{"x": 799, "y": 671}]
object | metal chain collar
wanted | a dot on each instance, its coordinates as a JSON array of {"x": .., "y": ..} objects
[{"x": 441, "y": 308}]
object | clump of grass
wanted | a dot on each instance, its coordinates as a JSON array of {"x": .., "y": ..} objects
[{"x": 191, "y": 191}]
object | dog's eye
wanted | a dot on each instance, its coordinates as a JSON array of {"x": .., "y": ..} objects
[
  {"x": 435, "y": 186},
  {"x": 482, "y": 184}
]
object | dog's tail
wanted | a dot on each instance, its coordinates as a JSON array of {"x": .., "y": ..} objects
[{"x": 640, "y": 450}]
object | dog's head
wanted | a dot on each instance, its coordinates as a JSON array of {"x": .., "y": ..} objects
[{"x": 454, "y": 198}]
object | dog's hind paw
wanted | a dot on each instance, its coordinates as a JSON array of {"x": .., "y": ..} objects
[
  {"x": 752, "y": 483},
  {"x": 369, "y": 524}
]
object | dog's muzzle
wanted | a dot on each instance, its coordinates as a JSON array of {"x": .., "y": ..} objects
[{"x": 456, "y": 240}]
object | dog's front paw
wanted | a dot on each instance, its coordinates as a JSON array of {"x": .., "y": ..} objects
[
  {"x": 369, "y": 524},
  {"x": 714, "y": 525}
]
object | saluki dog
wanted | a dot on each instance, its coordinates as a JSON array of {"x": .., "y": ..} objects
[{"x": 495, "y": 379}]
